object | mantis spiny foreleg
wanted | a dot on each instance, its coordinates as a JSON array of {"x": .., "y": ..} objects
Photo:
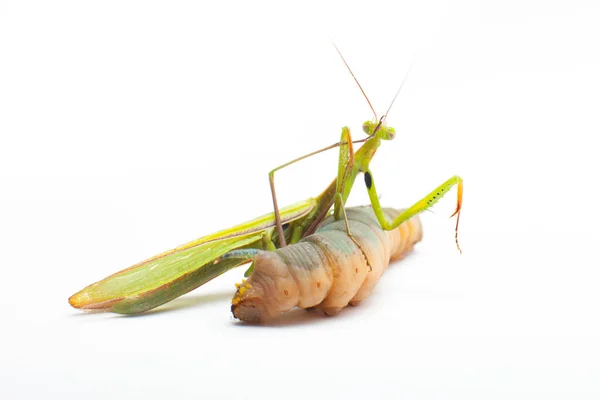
[
  {"x": 346, "y": 149},
  {"x": 345, "y": 165}
]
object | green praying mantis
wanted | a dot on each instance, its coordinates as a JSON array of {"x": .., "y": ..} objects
[{"x": 166, "y": 276}]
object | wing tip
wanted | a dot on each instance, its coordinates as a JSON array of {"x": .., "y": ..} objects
[{"x": 82, "y": 300}]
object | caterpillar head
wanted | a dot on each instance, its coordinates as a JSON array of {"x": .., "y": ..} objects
[{"x": 269, "y": 291}]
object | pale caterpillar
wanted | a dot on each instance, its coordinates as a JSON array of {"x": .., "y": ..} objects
[{"x": 326, "y": 270}]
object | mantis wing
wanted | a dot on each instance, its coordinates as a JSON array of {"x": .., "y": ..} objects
[{"x": 173, "y": 273}]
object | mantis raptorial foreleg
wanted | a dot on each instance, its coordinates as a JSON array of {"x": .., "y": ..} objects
[
  {"x": 421, "y": 205},
  {"x": 344, "y": 144},
  {"x": 345, "y": 165},
  {"x": 339, "y": 203}
]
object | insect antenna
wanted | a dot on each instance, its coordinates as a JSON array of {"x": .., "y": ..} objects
[
  {"x": 356, "y": 80},
  {"x": 396, "y": 95}
]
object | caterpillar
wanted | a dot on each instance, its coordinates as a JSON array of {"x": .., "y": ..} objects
[{"x": 326, "y": 270}]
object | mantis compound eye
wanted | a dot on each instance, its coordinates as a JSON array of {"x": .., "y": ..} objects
[
  {"x": 388, "y": 133},
  {"x": 369, "y": 127}
]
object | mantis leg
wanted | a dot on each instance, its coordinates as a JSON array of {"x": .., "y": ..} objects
[
  {"x": 344, "y": 144},
  {"x": 420, "y": 206},
  {"x": 296, "y": 234},
  {"x": 339, "y": 202},
  {"x": 345, "y": 165}
]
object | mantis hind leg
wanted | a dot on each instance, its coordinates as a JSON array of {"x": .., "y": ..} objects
[
  {"x": 420, "y": 206},
  {"x": 340, "y": 203}
]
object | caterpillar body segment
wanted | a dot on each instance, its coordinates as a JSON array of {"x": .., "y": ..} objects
[{"x": 326, "y": 270}]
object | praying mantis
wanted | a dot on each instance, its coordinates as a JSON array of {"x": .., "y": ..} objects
[{"x": 168, "y": 275}]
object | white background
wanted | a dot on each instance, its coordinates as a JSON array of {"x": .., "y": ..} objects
[{"x": 127, "y": 128}]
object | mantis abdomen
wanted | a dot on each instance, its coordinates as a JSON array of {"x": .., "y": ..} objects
[{"x": 326, "y": 270}]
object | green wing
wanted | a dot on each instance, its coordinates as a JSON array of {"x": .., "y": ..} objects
[{"x": 175, "y": 272}]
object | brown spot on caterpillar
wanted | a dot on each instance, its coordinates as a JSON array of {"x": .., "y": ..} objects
[
  {"x": 286, "y": 292},
  {"x": 356, "y": 270},
  {"x": 318, "y": 284}
]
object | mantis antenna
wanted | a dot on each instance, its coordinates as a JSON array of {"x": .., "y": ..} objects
[
  {"x": 384, "y": 116},
  {"x": 356, "y": 80},
  {"x": 398, "y": 92}
]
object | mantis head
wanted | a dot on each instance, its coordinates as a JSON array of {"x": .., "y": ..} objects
[{"x": 379, "y": 129}]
